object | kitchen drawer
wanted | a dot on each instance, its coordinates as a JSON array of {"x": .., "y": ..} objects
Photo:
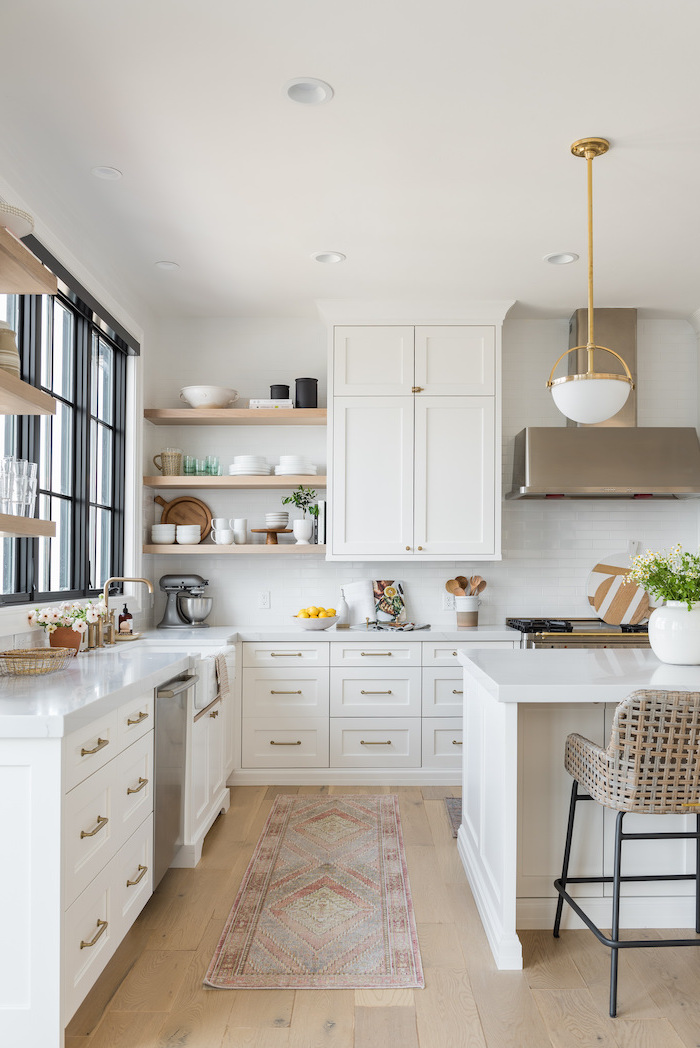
[
  {"x": 440, "y": 653},
  {"x": 443, "y": 692},
  {"x": 383, "y": 652},
  {"x": 376, "y": 692},
  {"x": 285, "y": 692},
  {"x": 284, "y": 743},
  {"x": 89, "y": 748},
  {"x": 296, "y": 653},
  {"x": 442, "y": 742},
  {"x": 91, "y": 935},
  {"x": 135, "y": 719},
  {"x": 91, "y": 833},
  {"x": 133, "y": 876},
  {"x": 382, "y": 743},
  {"x": 134, "y": 786}
]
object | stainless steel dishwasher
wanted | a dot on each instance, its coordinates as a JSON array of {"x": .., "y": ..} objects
[{"x": 169, "y": 766}]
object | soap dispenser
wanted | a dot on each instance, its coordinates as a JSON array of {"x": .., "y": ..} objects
[{"x": 343, "y": 613}]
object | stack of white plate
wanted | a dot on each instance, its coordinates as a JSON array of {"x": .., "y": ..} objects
[
  {"x": 249, "y": 466},
  {"x": 189, "y": 534},
  {"x": 291, "y": 465},
  {"x": 163, "y": 534},
  {"x": 276, "y": 520}
]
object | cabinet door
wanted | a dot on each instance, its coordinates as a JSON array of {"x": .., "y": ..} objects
[
  {"x": 372, "y": 361},
  {"x": 215, "y": 749},
  {"x": 455, "y": 480},
  {"x": 373, "y": 476},
  {"x": 199, "y": 770},
  {"x": 456, "y": 361}
]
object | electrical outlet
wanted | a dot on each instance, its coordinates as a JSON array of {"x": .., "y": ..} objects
[
  {"x": 264, "y": 600},
  {"x": 448, "y": 602}
]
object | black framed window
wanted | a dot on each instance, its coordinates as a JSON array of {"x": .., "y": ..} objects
[{"x": 68, "y": 350}]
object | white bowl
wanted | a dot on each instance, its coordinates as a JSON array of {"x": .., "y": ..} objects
[
  {"x": 316, "y": 624},
  {"x": 208, "y": 396}
]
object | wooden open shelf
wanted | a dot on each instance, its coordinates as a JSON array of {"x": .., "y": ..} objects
[
  {"x": 21, "y": 273},
  {"x": 25, "y": 527},
  {"x": 235, "y": 483},
  {"x": 236, "y": 416},
  {"x": 19, "y": 398},
  {"x": 286, "y": 548}
]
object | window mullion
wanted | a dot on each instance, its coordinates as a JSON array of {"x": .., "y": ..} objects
[{"x": 82, "y": 465}]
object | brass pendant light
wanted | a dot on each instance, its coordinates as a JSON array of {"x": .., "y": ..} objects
[{"x": 593, "y": 396}]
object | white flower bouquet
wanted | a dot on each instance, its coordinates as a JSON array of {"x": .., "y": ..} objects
[
  {"x": 668, "y": 576},
  {"x": 73, "y": 614}
]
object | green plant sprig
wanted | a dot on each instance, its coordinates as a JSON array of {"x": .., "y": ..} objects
[
  {"x": 302, "y": 498},
  {"x": 668, "y": 576}
]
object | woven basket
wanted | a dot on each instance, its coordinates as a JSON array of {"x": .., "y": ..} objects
[{"x": 29, "y": 662}]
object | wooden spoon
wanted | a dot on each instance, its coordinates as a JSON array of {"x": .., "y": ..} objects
[
  {"x": 480, "y": 588},
  {"x": 462, "y": 582},
  {"x": 452, "y": 585},
  {"x": 474, "y": 582}
]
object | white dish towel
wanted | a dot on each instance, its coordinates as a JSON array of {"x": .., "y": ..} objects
[{"x": 359, "y": 597}]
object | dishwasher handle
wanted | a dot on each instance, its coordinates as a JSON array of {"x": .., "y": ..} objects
[{"x": 177, "y": 686}]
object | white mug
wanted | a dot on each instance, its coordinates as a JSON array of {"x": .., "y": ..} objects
[
  {"x": 240, "y": 530},
  {"x": 222, "y": 536},
  {"x": 221, "y": 524}
]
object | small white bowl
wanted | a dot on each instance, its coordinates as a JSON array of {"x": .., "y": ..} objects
[
  {"x": 316, "y": 624},
  {"x": 208, "y": 396}
]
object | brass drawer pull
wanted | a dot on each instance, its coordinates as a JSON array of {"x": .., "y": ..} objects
[
  {"x": 101, "y": 823},
  {"x": 455, "y": 742},
  {"x": 455, "y": 654},
  {"x": 363, "y": 692},
  {"x": 370, "y": 743},
  {"x": 137, "y": 720},
  {"x": 101, "y": 929},
  {"x": 297, "y": 743},
  {"x": 455, "y": 691},
  {"x": 137, "y": 789},
  {"x": 417, "y": 389},
  {"x": 286, "y": 654},
  {"x": 388, "y": 654},
  {"x": 101, "y": 743},
  {"x": 215, "y": 713},
  {"x": 143, "y": 870},
  {"x": 285, "y": 692}
]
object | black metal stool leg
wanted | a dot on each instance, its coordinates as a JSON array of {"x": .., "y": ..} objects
[
  {"x": 615, "y": 930},
  {"x": 567, "y": 854},
  {"x": 697, "y": 874}
]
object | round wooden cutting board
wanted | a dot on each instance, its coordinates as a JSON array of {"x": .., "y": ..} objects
[
  {"x": 615, "y": 600},
  {"x": 186, "y": 510}
]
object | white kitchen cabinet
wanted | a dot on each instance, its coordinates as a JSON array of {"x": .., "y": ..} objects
[
  {"x": 442, "y": 742},
  {"x": 205, "y": 788},
  {"x": 415, "y": 468},
  {"x": 376, "y": 742}
]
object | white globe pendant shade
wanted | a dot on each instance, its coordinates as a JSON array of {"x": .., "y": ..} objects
[{"x": 590, "y": 398}]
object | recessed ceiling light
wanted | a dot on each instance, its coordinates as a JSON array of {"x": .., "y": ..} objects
[
  {"x": 308, "y": 91},
  {"x": 561, "y": 258},
  {"x": 109, "y": 174},
  {"x": 328, "y": 257},
  {"x": 166, "y": 265}
]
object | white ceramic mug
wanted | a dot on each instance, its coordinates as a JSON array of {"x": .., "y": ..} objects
[
  {"x": 222, "y": 536},
  {"x": 240, "y": 530},
  {"x": 221, "y": 524}
]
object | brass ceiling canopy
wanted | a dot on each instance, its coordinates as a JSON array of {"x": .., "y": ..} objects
[{"x": 593, "y": 396}]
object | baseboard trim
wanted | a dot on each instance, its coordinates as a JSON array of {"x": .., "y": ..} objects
[{"x": 344, "y": 777}]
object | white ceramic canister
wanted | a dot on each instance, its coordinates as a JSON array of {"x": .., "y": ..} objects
[
  {"x": 674, "y": 633},
  {"x": 467, "y": 609}
]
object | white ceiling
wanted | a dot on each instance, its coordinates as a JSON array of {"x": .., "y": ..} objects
[{"x": 441, "y": 168}]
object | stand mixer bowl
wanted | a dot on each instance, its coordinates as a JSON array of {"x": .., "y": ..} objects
[{"x": 194, "y": 609}]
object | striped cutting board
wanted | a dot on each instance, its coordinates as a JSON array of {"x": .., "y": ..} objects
[{"x": 615, "y": 600}]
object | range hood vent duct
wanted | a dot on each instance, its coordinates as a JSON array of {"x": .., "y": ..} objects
[{"x": 606, "y": 462}]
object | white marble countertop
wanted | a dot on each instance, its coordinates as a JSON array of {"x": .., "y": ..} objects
[
  {"x": 588, "y": 675},
  {"x": 94, "y": 683},
  {"x": 222, "y": 635}
]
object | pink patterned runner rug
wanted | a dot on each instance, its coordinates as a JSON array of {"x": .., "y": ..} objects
[{"x": 325, "y": 901}]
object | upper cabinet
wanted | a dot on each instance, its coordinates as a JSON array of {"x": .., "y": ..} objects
[
  {"x": 414, "y": 466},
  {"x": 21, "y": 273},
  {"x": 445, "y": 360}
]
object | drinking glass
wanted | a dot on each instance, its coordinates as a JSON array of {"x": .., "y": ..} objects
[
  {"x": 201, "y": 467},
  {"x": 189, "y": 465},
  {"x": 213, "y": 466}
]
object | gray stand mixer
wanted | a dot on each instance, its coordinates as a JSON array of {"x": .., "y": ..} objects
[{"x": 187, "y": 607}]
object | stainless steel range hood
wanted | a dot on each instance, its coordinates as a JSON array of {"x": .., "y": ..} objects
[
  {"x": 613, "y": 459},
  {"x": 614, "y": 462}
]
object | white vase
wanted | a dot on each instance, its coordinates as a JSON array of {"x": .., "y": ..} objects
[
  {"x": 674, "y": 633},
  {"x": 302, "y": 531}
]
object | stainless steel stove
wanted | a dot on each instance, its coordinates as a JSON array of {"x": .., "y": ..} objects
[{"x": 578, "y": 633}]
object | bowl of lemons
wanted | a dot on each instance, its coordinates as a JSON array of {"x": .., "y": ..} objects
[{"x": 316, "y": 618}]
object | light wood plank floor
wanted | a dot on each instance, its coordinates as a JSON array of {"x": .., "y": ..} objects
[{"x": 151, "y": 995}]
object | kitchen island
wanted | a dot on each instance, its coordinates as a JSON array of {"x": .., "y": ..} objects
[{"x": 519, "y": 706}]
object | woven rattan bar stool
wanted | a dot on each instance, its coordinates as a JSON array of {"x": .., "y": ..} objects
[{"x": 651, "y": 766}]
